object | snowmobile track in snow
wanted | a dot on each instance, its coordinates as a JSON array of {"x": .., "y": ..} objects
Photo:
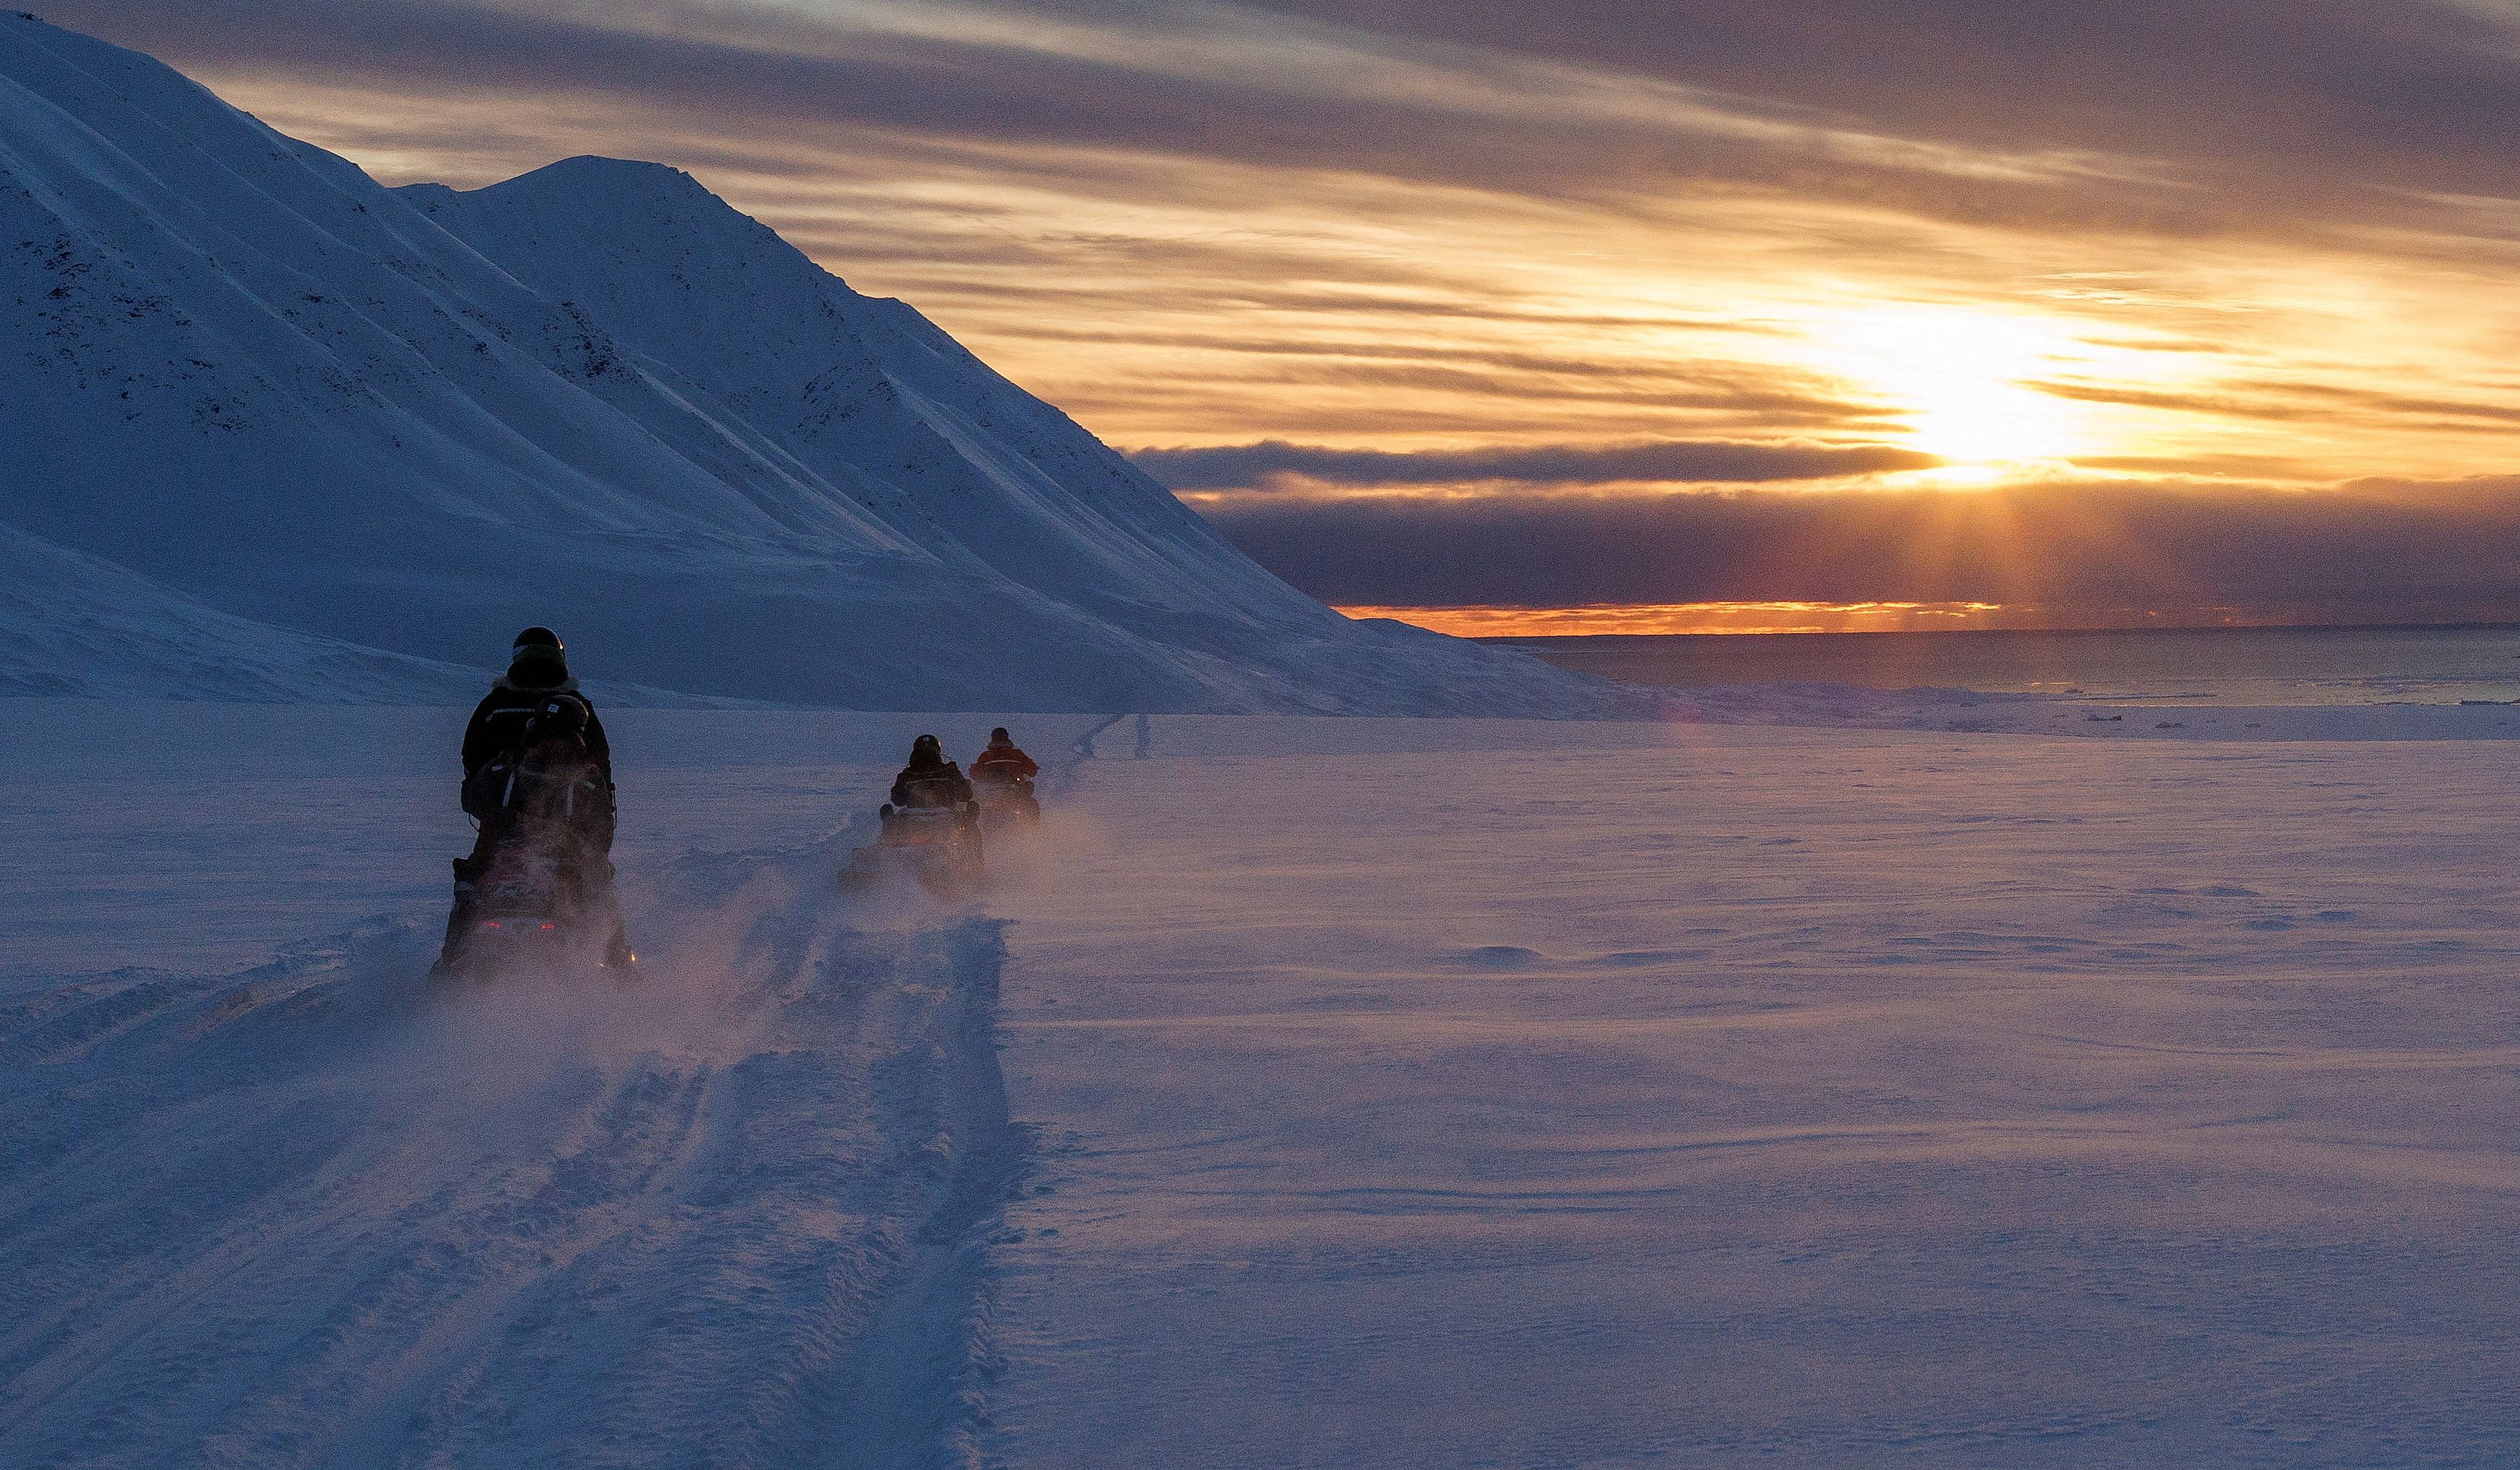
[{"x": 311, "y": 1214}]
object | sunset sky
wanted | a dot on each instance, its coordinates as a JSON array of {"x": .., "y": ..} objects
[{"x": 2158, "y": 311}]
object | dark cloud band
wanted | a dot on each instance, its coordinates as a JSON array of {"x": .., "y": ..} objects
[
  {"x": 1706, "y": 462},
  {"x": 2363, "y": 553}
]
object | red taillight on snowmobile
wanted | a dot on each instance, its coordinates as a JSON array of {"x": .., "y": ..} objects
[
  {"x": 492, "y": 924},
  {"x": 550, "y": 926}
]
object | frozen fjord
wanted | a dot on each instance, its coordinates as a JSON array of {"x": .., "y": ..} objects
[
  {"x": 1375, "y": 1093},
  {"x": 1458, "y": 1094}
]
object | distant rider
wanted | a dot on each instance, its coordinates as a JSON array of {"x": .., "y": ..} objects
[
  {"x": 536, "y": 760},
  {"x": 929, "y": 781},
  {"x": 1002, "y": 763}
]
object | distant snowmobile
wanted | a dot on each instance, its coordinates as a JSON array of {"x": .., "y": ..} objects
[
  {"x": 1001, "y": 778},
  {"x": 930, "y": 830}
]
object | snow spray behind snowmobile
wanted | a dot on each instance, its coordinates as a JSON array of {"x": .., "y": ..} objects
[{"x": 937, "y": 847}]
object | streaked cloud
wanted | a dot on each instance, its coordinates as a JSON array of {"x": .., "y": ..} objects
[
  {"x": 1291, "y": 91},
  {"x": 2217, "y": 253}
]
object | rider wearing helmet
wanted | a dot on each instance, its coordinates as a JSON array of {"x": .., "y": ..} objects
[
  {"x": 537, "y": 668},
  {"x": 536, "y": 761},
  {"x": 929, "y": 780},
  {"x": 1002, "y": 763}
]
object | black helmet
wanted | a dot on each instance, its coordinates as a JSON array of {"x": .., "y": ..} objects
[
  {"x": 562, "y": 717},
  {"x": 537, "y": 662},
  {"x": 926, "y": 745},
  {"x": 999, "y": 736}
]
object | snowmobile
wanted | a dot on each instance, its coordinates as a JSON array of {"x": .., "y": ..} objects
[
  {"x": 528, "y": 916},
  {"x": 938, "y": 845},
  {"x": 1006, "y": 804}
]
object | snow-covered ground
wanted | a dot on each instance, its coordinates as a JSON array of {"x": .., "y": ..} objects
[{"x": 1320, "y": 1092}]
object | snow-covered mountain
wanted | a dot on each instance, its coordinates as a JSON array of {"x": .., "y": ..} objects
[
  {"x": 71, "y": 625},
  {"x": 288, "y": 405}
]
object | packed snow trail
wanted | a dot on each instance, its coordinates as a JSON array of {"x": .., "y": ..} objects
[{"x": 314, "y": 1213}]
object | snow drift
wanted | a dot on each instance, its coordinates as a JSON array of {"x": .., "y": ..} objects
[{"x": 242, "y": 371}]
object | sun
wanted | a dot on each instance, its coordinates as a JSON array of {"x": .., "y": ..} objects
[{"x": 1962, "y": 380}]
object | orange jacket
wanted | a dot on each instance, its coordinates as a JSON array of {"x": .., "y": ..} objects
[{"x": 1002, "y": 763}]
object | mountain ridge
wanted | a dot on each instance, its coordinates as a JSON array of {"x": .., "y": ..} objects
[{"x": 594, "y": 396}]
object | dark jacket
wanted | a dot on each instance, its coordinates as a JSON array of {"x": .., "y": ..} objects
[
  {"x": 499, "y": 723},
  {"x": 931, "y": 786}
]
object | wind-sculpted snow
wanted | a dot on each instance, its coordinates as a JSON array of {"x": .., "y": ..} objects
[
  {"x": 1436, "y": 1093},
  {"x": 595, "y": 397},
  {"x": 309, "y": 1212}
]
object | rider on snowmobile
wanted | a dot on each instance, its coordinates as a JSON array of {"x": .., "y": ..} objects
[
  {"x": 1002, "y": 763},
  {"x": 537, "y": 668},
  {"x": 536, "y": 761},
  {"x": 929, "y": 780}
]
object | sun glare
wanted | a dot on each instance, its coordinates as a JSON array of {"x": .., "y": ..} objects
[{"x": 1960, "y": 378}]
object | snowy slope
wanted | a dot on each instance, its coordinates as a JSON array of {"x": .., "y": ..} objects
[
  {"x": 595, "y": 397},
  {"x": 861, "y": 394},
  {"x": 70, "y": 625}
]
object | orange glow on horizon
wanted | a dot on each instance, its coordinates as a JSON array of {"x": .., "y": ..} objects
[{"x": 1701, "y": 617}]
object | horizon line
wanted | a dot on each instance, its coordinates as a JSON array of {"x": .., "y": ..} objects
[{"x": 1490, "y": 622}]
